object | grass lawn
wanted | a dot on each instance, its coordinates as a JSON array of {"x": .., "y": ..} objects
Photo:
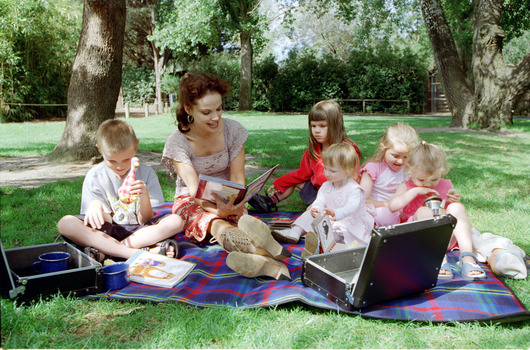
[{"x": 490, "y": 171}]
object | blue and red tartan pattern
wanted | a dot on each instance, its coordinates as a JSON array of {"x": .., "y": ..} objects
[{"x": 213, "y": 284}]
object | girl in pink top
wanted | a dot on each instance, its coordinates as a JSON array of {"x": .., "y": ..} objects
[
  {"x": 426, "y": 166},
  {"x": 384, "y": 172}
]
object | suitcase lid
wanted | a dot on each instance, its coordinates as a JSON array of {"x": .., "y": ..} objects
[
  {"x": 7, "y": 284},
  {"x": 402, "y": 259}
]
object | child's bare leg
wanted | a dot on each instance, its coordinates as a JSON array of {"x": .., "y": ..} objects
[
  {"x": 73, "y": 228},
  {"x": 462, "y": 232},
  {"x": 168, "y": 227}
]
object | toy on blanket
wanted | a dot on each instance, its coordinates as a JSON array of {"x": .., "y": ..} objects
[
  {"x": 504, "y": 257},
  {"x": 125, "y": 206},
  {"x": 124, "y": 191}
]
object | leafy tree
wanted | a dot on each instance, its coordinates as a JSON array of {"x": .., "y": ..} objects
[
  {"x": 495, "y": 88},
  {"x": 95, "y": 78},
  {"x": 467, "y": 40},
  {"x": 37, "y": 44},
  {"x": 160, "y": 31},
  {"x": 245, "y": 18}
]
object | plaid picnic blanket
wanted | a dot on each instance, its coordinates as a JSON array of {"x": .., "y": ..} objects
[{"x": 213, "y": 284}]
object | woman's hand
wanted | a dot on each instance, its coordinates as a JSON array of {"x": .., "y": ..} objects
[{"x": 225, "y": 210}]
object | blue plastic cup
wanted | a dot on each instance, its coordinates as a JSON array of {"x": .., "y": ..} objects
[
  {"x": 116, "y": 276},
  {"x": 51, "y": 262}
]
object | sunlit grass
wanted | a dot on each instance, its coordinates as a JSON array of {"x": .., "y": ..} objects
[{"x": 490, "y": 171}]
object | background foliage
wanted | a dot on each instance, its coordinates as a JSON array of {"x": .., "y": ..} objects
[
  {"x": 38, "y": 40},
  {"x": 314, "y": 51}
]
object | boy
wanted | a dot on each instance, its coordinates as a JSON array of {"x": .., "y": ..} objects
[{"x": 117, "y": 143}]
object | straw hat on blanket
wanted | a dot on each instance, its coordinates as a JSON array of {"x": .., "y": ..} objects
[{"x": 504, "y": 257}]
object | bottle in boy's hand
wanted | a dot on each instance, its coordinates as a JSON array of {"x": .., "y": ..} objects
[{"x": 124, "y": 191}]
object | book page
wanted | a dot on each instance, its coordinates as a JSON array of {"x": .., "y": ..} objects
[
  {"x": 158, "y": 270},
  {"x": 255, "y": 186},
  {"x": 226, "y": 190},
  {"x": 324, "y": 231}
]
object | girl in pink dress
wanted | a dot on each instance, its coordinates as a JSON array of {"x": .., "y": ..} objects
[
  {"x": 426, "y": 166},
  {"x": 342, "y": 198},
  {"x": 385, "y": 171}
]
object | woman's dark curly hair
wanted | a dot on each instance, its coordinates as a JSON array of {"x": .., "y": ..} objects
[{"x": 192, "y": 87}]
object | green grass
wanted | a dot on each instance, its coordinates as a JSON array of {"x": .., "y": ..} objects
[{"x": 490, "y": 171}]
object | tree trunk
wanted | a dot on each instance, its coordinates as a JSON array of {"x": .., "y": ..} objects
[
  {"x": 160, "y": 67},
  {"x": 159, "y": 62},
  {"x": 245, "y": 71},
  {"x": 95, "y": 80},
  {"x": 452, "y": 75},
  {"x": 497, "y": 87}
]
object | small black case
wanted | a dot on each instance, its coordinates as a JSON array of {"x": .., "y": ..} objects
[
  {"x": 399, "y": 260},
  {"x": 19, "y": 280}
]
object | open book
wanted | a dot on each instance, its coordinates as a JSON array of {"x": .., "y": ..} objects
[
  {"x": 326, "y": 237},
  {"x": 226, "y": 190},
  {"x": 157, "y": 270}
]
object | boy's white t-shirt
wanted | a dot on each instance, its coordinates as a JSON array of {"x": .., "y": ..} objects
[{"x": 101, "y": 178}]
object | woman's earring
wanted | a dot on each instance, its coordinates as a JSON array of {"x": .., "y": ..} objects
[{"x": 190, "y": 119}]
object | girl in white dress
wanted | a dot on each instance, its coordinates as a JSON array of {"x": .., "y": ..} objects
[{"x": 342, "y": 199}]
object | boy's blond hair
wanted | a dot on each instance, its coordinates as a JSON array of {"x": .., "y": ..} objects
[
  {"x": 115, "y": 136},
  {"x": 342, "y": 155},
  {"x": 429, "y": 158},
  {"x": 398, "y": 133}
]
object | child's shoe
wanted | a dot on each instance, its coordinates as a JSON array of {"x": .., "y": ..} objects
[
  {"x": 260, "y": 235},
  {"x": 252, "y": 265},
  {"x": 289, "y": 235}
]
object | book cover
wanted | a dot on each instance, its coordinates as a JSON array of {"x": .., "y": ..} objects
[
  {"x": 324, "y": 231},
  {"x": 157, "y": 270},
  {"x": 226, "y": 189}
]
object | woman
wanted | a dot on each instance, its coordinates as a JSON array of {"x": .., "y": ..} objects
[{"x": 205, "y": 143}]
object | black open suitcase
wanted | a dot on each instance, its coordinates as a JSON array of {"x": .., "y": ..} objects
[
  {"x": 399, "y": 260},
  {"x": 18, "y": 280}
]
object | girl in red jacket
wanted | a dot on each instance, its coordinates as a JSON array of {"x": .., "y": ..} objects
[{"x": 326, "y": 127}]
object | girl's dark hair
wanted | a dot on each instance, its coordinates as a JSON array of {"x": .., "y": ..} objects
[
  {"x": 192, "y": 87},
  {"x": 331, "y": 112}
]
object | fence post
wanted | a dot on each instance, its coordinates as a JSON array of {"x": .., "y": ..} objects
[
  {"x": 364, "y": 106},
  {"x": 127, "y": 112},
  {"x": 146, "y": 109}
]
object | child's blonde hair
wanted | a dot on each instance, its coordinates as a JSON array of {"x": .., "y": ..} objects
[
  {"x": 429, "y": 158},
  {"x": 115, "y": 136},
  {"x": 331, "y": 112},
  {"x": 342, "y": 155},
  {"x": 399, "y": 133}
]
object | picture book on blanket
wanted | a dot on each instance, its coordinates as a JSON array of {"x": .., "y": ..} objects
[
  {"x": 226, "y": 190},
  {"x": 322, "y": 227},
  {"x": 157, "y": 270}
]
